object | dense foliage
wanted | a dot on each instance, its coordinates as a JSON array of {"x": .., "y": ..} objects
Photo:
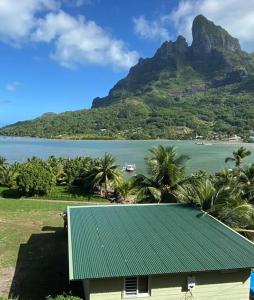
[
  {"x": 228, "y": 194},
  {"x": 214, "y": 113},
  {"x": 35, "y": 178}
]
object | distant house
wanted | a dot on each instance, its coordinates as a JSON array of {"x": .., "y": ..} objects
[
  {"x": 158, "y": 251},
  {"x": 234, "y": 138}
]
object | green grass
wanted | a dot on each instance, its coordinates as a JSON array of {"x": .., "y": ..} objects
[
  {"x": 64, "y": 193},
  {"x": 33, "y": 249},
  {"x": 72, "y": 194}
]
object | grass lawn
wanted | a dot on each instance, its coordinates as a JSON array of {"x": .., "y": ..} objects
[
  {"x": 33, "y": 249},
  {"x": 58, "y": 193}
]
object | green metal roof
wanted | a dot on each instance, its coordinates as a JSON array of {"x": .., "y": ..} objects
[{"x": 133, "y": 240}]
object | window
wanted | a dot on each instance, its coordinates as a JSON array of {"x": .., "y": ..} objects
[{"x": 136, "y": 286}]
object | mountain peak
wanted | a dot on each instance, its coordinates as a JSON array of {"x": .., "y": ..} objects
[
  {"x": 208, "y": 36},
  {"x": 169, "y": 47},
  {"x": 214, "y": 55}
]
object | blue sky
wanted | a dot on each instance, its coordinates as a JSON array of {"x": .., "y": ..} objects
[{"x": 58, "y": 55}]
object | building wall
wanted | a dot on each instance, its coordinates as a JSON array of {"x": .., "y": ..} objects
[{"x": 212, "y": 285}]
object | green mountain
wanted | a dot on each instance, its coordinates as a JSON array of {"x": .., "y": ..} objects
[{"x": 206, "y": 89}]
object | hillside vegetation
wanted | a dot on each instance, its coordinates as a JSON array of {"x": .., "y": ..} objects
[{"x": 182, "y": 91}]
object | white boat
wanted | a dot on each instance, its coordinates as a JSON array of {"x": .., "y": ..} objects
[
  {"x": 129, "y": 168},
  {"x": 199, "y": 143},
  {"x": 204, "y": 144}
]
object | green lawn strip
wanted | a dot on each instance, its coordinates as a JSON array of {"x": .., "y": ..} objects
[
  {"x": 63, "y": 193},
  {"x": 72, "y": 194},
  {"x": 21, "y": 218},
  {"x": 34, "y": 244}
]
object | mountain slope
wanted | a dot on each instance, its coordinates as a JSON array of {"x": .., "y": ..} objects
[{"x": 206, "y": 88}]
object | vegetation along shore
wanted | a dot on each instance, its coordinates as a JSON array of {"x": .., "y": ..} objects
[{"x": 227, "y": 194}]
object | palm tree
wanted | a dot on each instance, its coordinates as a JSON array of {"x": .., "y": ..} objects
[
  {"x": 238, "y": 156},
  {"x": 125, "y": 189},
  {"x": 8, "y": 176},
  {"x": 226, "y": 203},
  {"x": 2, "y": 161},
  {"x": 148, "y": 189},
  {"x": 104, "y": 173},
  {"x": 57, "y": 168},
  {"x": 202, "y": 193},
  {"x": 235, "y": 211},
  {"x": 166, "y": 170},
  {"x": 226, "y": 177},
  {"x": 246, "y": 178}
]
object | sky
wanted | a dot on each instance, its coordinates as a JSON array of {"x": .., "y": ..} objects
[{"x": 58, "y": 55}]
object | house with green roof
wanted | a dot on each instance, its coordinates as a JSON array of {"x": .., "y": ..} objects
[{"x": 156, "y": 251}]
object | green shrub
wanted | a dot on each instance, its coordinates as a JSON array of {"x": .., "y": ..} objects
[
  {"x": 74, "y": 168},
  {"x": 35, "y": 178}
]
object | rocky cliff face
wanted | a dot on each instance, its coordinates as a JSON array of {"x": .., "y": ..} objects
[
  {"x": 207, "y": 37},
  {"x": 180, "y": 46},
  {"x": 214, "y": 57}
]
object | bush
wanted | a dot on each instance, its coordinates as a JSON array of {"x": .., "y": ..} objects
[
  {"x": 75, "y": 168},
  {"x": 35, "y": 178}
]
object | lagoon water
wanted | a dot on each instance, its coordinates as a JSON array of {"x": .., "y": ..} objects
[{"x": 206, "y": 157}]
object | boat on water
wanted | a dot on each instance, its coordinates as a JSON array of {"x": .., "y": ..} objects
[
  {"x": 129, "y": 168},
  {"x": 199, "y": 143},
  {"x": 202, "y": 143}
]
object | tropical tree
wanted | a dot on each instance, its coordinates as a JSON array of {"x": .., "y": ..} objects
[
  {"x": 57, "y": 168},
  {"x": 247, "y": 174},
  {"x": 2, "y": 161},
  {"x": 226, "y": 177},
  {"x": 8, "y": 176},
  {"x": 225, "y": 202},
  {"x": 166, "y": 171},
  {"x": 35, "y": 178},
  {"x": 238, "y": 156},
  {"x": 201, "y": 193},
  {"x": 74, "y": 169},
  {"x": 125, "y": 189},
  {"x": 104, "y": 173},
  {"x": 245, "y": 177},
  {"x": 148, "y": 189}
]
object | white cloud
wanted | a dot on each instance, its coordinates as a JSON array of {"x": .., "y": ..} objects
[
  {"x": 237, "y": 17},
  {"x": 151, "y": 29},
  {"x": 75, "y": 40},
  {"x": 78, "y": 42},
  {"x": 12, "y": 87},
  {"x": 17, "y": 18}
]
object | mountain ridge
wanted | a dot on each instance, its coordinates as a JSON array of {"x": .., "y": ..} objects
[
  {"x": 209, "y": 43},
  {"x": 206, "y": 88}
]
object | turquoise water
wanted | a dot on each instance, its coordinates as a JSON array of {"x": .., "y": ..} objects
[{"x": 210, "y": 158}]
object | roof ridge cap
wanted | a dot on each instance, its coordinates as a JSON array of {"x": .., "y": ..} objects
[{"x": 121, "y": 205}]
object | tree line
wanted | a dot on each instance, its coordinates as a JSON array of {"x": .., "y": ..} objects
[{"x": 228, "y": 194}]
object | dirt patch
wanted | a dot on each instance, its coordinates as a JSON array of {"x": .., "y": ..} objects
[{"x": 6, "y": 276}]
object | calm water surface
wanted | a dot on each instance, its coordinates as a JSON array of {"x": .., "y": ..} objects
[{"x": 210, "y": 158}]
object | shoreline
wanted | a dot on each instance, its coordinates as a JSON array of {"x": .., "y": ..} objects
[{"x": 130, "y": 140}]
